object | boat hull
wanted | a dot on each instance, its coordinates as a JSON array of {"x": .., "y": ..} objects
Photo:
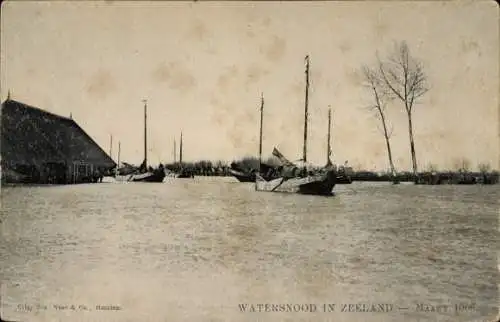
[
  {"x": 242, "y": 177},
  {"x": 250, "y": 177},
  {"x": 320, "y": 184},
  {"x": 142, "y": 177},
  {"x": 344, "y": 180},
  {"x": 149, "y": 177}
]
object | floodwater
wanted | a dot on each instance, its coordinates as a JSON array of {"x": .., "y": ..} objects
[{"x": 204, "y": 249}]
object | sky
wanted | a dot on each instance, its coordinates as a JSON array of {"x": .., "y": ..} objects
[{"x": 202, "y": 66}]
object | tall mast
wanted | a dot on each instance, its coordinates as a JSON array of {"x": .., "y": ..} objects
[
  {"x": 328, "y": 148},
  {"x": 111, "y": 146},
  {"x": 119, "y": 149},
  {"x": 261, "y": 123},
  {"x": 175, "y": 151},
  {"x": 304, "y": 153},
  {"x": 180, "y": 151},
  {"x": 145, "y": 134}
]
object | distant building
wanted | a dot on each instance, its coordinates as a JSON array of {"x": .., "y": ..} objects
[{"x": 41, "y": 147}]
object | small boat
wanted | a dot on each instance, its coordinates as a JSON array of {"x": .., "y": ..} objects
[
  {"x": 320, "y": 184},
  {"x": 267, "y": 172},
  {"x": 301, "y": 177},
  {"x": 242, "y": 176},
  {"x": 343, "y": 177},
  {"x": 250, "y": 176},
  {"x": 184, "y": 173},
  {"x": 294, "y": 178},
  {"x": 142, "y": 173},
  {"x": 157, "y": 175}
]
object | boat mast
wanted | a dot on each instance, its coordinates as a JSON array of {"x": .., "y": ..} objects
[
  {"x": 145, "y": 134},
  {"x": 175, "y": 151},
  {"x": 260, "y": 134},
  {"x": 304, "y": 153},
  {"x": 119, "y": 149},
  {"x": 180, "y": 151},
  {"x": 328, "y": 148},
  {"x": 111, "y": 146}
]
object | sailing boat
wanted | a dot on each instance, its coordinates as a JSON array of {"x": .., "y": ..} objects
[
  {"x": 297, "y": 178},
  {"x": 342, "y": 176},
  {"x": 183, "y": 172},
  {"x": 249, "y": 175},
  {"x": 143, "y": 173}
]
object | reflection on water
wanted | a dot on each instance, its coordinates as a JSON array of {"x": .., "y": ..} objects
[{"x": 192, "y": 250}]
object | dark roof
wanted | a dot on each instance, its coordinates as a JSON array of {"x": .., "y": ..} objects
[{"x": 32, "y": 135}]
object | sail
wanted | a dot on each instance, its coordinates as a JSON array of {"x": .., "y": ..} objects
[
  {"x": 329, "y": 160},
  {"x": 282, "y": 158},
  {"x": 143, "y": 166},
  {"x": 125, "y": 164}
]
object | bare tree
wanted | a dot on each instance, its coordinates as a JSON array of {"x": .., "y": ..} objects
[
  {"x": 404, "y": 78},
  {"x": 484, "y": 167},
  {"x": 431, "y": 167},
  {"x": 373, "y": 82},
  {"x": 462, "y": 165}
]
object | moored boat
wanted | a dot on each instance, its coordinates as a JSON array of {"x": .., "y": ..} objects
[
  {"x": 142, "y": 173},
  {"x": 320, "y": 184},
  {"x": 242, "y": 176},
  {"x": 156, "y": 175},
  {"x": 294, "y": 178},
  {"x": 267, "y": 173},
  {"x": 184, "y": 173},
  {"x": 343, "y": 175}
]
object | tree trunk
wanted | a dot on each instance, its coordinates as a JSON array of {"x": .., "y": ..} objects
[
  {"x": 389, "y": 152},
  {"x": 412, "y": 145},
  {"x": 393, "y": 170}
]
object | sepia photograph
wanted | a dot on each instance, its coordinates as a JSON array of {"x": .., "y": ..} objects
[{"x": 249, "y": 161}]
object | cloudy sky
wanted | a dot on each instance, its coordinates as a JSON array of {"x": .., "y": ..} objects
[{"x": 203, "y": 65}]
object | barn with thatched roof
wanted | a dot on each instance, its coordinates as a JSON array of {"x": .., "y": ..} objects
[{"x": 41, "y": 147}]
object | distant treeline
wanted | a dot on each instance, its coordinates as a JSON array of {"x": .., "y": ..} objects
[
  {"x": 442, "y": 177},
  {"x": 218, "y": 168},
  {"x": 201, "y": 168},
  {"x": 250, "y": 163},
  {"x": 430, "y": 176}
]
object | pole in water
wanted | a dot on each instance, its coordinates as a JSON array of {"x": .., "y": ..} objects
[
  {"x": 180, "y": 151},
  {"x": 111, "y": 146},
  {"x": 260, "y": 136},
  {"x": 306, "y": 110},
  {"x": 145, "y": 101},
  {"x": 329, "y": 147},
  {"x": 175, "y": 151},
  {"x": 119, "y": 150},
  {"x": 261, "y": 123}
]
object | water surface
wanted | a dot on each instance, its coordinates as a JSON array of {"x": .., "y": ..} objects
[{"x": 193, "y": 250}]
